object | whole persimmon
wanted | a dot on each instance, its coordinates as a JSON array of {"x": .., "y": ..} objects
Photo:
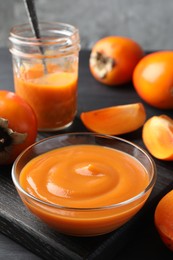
[
  {"x": 153, "y": 79},
  {"x": 18, "y": 126},
  {"x": 113, "y": 59},
  {"x": 163, "y": 219}
]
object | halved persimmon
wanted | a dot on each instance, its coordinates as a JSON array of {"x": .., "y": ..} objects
[
  {"x": 113, "y": 59},
  {"x": 153, "y": 79},
  {"x": 115, "y": 120},
  {"x": 157, "y": 135},
  {"x": 163, "y": 219}
]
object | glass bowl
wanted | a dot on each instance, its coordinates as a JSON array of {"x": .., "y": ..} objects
[{"x": 84, "y": 217}]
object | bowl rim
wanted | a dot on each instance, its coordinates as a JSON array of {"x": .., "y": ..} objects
[{"x": 105, "y": 207}]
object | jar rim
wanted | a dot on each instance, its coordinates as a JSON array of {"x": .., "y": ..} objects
[
  {"x": 64, "y": 36},
  {"x": 59, "y": 33}
]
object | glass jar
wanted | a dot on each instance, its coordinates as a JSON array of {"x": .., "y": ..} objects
[{"x": 45, "y": 71}]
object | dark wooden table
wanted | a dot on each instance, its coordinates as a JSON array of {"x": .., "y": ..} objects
[{"x": 136, "y": 240}]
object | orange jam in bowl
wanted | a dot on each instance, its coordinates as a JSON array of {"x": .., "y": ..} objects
[{"x": 84, "y": 184}]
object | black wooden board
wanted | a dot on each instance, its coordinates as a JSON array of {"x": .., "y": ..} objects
[{"x": 19, "y": 224}]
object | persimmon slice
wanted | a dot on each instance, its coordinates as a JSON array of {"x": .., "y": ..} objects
[
  {"x": 115, "y": 120},
  {"x": 157, "y": 135}
]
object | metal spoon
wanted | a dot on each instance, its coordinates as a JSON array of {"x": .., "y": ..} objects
[{"x": 32, "y": 15}]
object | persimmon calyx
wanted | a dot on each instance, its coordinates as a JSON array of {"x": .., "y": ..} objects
[
  {"x": 8, "y": 138},
  {"x": 101, "y": 63}
]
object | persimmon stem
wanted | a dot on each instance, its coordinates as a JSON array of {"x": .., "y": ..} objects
[
  {"x": 8, "y": 137},
  {"x": 5, "y": 139}
]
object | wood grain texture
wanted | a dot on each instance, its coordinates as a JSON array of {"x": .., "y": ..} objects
[
  {"x": 12, "y": 251},
  {"x": 20, "y": 225}
]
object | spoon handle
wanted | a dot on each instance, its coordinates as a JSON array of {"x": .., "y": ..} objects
[
  {"x": 31, "y": 11},
  {"x": 32, "y": 15}
]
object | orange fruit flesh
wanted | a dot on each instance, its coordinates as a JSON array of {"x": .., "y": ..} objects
[
  {"x": 115, "y": 120},
  {"x": 157, "y": 136}
]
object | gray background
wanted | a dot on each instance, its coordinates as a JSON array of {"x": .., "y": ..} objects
[{"x": 149, "y": 22}]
